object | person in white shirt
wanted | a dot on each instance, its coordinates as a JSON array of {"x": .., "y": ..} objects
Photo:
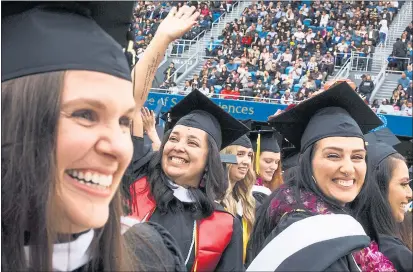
[
  {"x": 287, "y": 56},
  {"x": 287, "y": 98},
  {"x": 304, "y": 10},
  {"x": 408, "y": 109},
  {"x": 342, "y": 47},
  {"x": 173, "y": 89},
  {"x": 324, "y": 19},
  {"x": 220, "y": 65},
  {"x": 204, "y": 89},
  {"x": 299, "y": 35},
  {"x": 384, "y": 30},
  {"x": 296, "y": 72}
]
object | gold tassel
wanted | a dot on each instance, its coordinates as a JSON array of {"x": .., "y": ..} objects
[
  {"x": 244, "y": 239},
  {"x": 257, "y": 155}
]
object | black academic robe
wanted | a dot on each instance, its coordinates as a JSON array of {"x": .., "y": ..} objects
[
  {"x": 332, "y": 254},
  {"x": 181, "y": 223},
  {"x": 153, "y": 238},
  {"x": 396, "y": 252}
]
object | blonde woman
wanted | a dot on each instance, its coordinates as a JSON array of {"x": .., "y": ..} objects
[
  {"x": 239, "y": 200},
  {"x": 266, "y": 163}
]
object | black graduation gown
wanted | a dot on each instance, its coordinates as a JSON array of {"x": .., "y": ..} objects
[
  {"x": 157, "y": 250},
  {"x": 180, "y": 223},
  {"x": 157, "y": 240},
  {"x": 396, "y": 252},
  {"x": 345, "y": 263}
]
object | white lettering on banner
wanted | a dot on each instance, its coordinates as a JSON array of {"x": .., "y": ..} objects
[
  {"x": 181, "y": 61},
  {"x": 358, "y": 76}
]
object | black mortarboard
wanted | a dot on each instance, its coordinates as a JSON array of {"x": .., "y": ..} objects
[
  {"x": 198, "y": 111},
  {"x": 40, "y": 37},
  {"x": 264, "y": 140},
  {"x": 268, "y": 140},
  {"x": 291, "y": 158},
  {"x": 380, "y": 145},
  {"x": 244, "y": 140},
  {"x": 336, "y": 112}
]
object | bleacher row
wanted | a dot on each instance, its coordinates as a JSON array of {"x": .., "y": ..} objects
[{"x": 290, "y": 49}]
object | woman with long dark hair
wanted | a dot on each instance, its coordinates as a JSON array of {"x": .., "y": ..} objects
[
  {"x": 308, "y": 217},
  {"x": 181, "y": 186},
  {"x": 68, "y": 102},
  {"x": 382, "y": 207}
]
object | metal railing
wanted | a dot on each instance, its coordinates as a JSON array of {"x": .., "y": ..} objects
[
  {"x": 228, "y": 96},
  {"x": 344, "y": 71},
  {"x": 218, "y": 25},
  {"x": 185, "y": 45},
  {"x": 378, "y": 81},
  {"x": 185, "y": 68}
]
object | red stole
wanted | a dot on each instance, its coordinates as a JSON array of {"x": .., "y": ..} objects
[{"x": 213, "y": 234}]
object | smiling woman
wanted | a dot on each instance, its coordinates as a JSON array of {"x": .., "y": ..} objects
[
  {"x": 309, "y": 215},
  {"x": 239, "y": 200},
  {"x": 383, "y": 204},
  {"x": 66, "y": 142},
  {"x": 181, "y": 186}
]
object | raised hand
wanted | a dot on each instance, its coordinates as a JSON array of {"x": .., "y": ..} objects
[
  {"x": 148, "y": 120},
  {"x": 177, "y": 23}
]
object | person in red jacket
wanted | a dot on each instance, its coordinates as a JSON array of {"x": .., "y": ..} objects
[{"x": 228, "y": 93}]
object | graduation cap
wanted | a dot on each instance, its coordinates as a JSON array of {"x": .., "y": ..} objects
[
  {"x": 380, "y": 145},
  {"x": 336, "y": 112},
  {"x": 291, "y": 158},
  {"x": 43, "y": 37},
  {"x": 264, "y": 140},
  {"x": 198, "y": 111},
  {"x": 244, "y": 140}
]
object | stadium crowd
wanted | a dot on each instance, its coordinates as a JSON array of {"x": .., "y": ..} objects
[{"x": 282, "y": 52}]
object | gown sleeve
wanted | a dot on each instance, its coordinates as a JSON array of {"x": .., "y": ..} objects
[
  {"x": 231, "y": 259},
  {"x": 396, "y": 252},
  {"x": 155, "y": 248},
  {"x": 142, "y": 154}
]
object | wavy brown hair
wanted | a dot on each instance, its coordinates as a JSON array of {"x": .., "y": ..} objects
[
  {"x": 241, "y": 191},
  {"x": 29, "y": 117}
]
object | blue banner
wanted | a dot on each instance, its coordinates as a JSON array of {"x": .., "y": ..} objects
[{"x": 243, "y": 110}]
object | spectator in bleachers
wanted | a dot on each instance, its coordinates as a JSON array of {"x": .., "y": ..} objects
[
  {"x": 404, "y": 81},
  {"x": 228, "y": 93},
  {"x": 204, "y": 89},
  {"x": 293, "y": 45},
  {"x": 409, "y": 92},
  {"x": 169, "y": 71},
  {"x": 407, "y": 110},
  {"x": 173, "y": 89},
  {"x": 287, "y": 98},
  {"x": 327, "y": 65},
  {"x": 384, "y": 30},
  {"x": 400, "y": 51},
  {"x": 187, "y": 88},
  {"x": 366, "y": 86},
  {"x": 409, "y": 71},
  {"x": 395, "y": 98}
]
